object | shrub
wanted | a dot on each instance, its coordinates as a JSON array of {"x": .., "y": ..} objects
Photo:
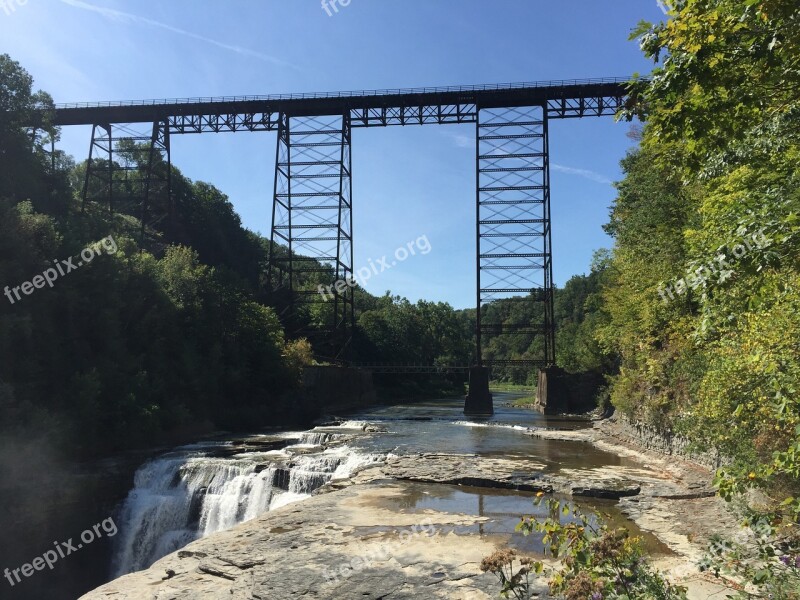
[{"x": 597, "y": 562}]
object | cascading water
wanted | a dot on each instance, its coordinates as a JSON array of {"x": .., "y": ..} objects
[
  {"x": 316, "y": 438},
  {"x": 192, "y": 493}
]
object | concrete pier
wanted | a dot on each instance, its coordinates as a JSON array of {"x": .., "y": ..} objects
[{"x": 478, "y": 402}]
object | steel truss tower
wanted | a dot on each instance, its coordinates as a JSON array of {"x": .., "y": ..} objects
[
  {"x": 514, "y": 251},
  {"x": 312, "y": 218},
  {"x": 131, "y": 173},
  {"x": 98, "y": 185}
]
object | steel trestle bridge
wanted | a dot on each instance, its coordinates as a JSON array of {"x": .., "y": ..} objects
[{"x": 312, "y": 199}]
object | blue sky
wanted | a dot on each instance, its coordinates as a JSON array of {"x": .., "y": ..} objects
[{"x": 409, "y": 181}]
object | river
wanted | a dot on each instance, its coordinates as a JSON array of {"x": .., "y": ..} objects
[
  {"x": 192, "y": 491},
  {"x": 207, "y": 487}
]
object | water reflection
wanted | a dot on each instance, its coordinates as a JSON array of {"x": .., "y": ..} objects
[{"x": 503, "y": 510}]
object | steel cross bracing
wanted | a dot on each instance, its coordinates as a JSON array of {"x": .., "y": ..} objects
[
  {"x": 312, "y": 218},
  {"x": 129, "y": 171},
  {"x": 514, "y": 253},
  {"x": 312, "y": 239}
]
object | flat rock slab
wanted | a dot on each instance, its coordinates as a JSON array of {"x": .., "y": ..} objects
[
  {"x": 613, "y": 482},
  {"x": 343, "y": 545},
  {"x": 467, "y": 469}
]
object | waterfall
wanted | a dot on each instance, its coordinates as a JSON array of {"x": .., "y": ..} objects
[
  {"x": 317, "y": 438},
  {"x": 188, "y": 494}
]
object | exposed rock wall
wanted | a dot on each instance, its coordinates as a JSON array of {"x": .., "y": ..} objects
[{"x": 665, "y": 442}]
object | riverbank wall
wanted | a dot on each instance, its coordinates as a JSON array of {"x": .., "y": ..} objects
[{"x": 621, "y": 428}]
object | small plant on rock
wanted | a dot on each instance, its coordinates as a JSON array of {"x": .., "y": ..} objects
[
  {"x": 598, "y": 563},
  {"x": 518, "y": 583}
]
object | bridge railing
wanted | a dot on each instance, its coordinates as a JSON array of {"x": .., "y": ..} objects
[
  {"x": 409, "y": 367},
  {"x": 351, "y": 94},
  {"x": 379, "y": 367}
]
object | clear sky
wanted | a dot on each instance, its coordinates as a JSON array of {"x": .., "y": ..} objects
[{"x": 408, "y": 181}]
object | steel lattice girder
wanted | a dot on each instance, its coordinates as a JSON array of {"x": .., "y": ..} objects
[
  {"x": 312, "y": 217},
  {"x": 514, "y": 255},
  {"x": 373, "y": 108},
  {"x": 129, "y": 170},
  {"x": 513, "y": 220}
]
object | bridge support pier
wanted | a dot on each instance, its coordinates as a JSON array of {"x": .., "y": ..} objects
[{"x": 478, "y": 402}]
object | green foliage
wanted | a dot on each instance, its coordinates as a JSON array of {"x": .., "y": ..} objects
[
  {"x": 649, "y": 335},
  {"x": 426, "y": 332},
  {"x": 596, "y": 561},
  {"x": 209, "y": 224},
  {"x": 298, "y": 354},
  {"x": 726, "y": 65},
  {"x": 716, "y": 171},
  {"x": 153, "y": 345},
  {"x": 143, "y": 345},
  {"x": 767, "y": 559},
  {"x": 715, "y": 182},
  {"x": 24, "y": 167},
  {"x": 578, "y": 313}
]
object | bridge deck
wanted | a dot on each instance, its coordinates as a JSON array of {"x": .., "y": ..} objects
[{"x": 371, "y": 108}]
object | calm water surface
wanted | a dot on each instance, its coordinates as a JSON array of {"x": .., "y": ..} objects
[{"x": 440, "y": 426}]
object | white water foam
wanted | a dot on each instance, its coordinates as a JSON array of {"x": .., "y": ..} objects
[
  {"x": 180, "y": 497},
  {"x": 497, "y": 425}
]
